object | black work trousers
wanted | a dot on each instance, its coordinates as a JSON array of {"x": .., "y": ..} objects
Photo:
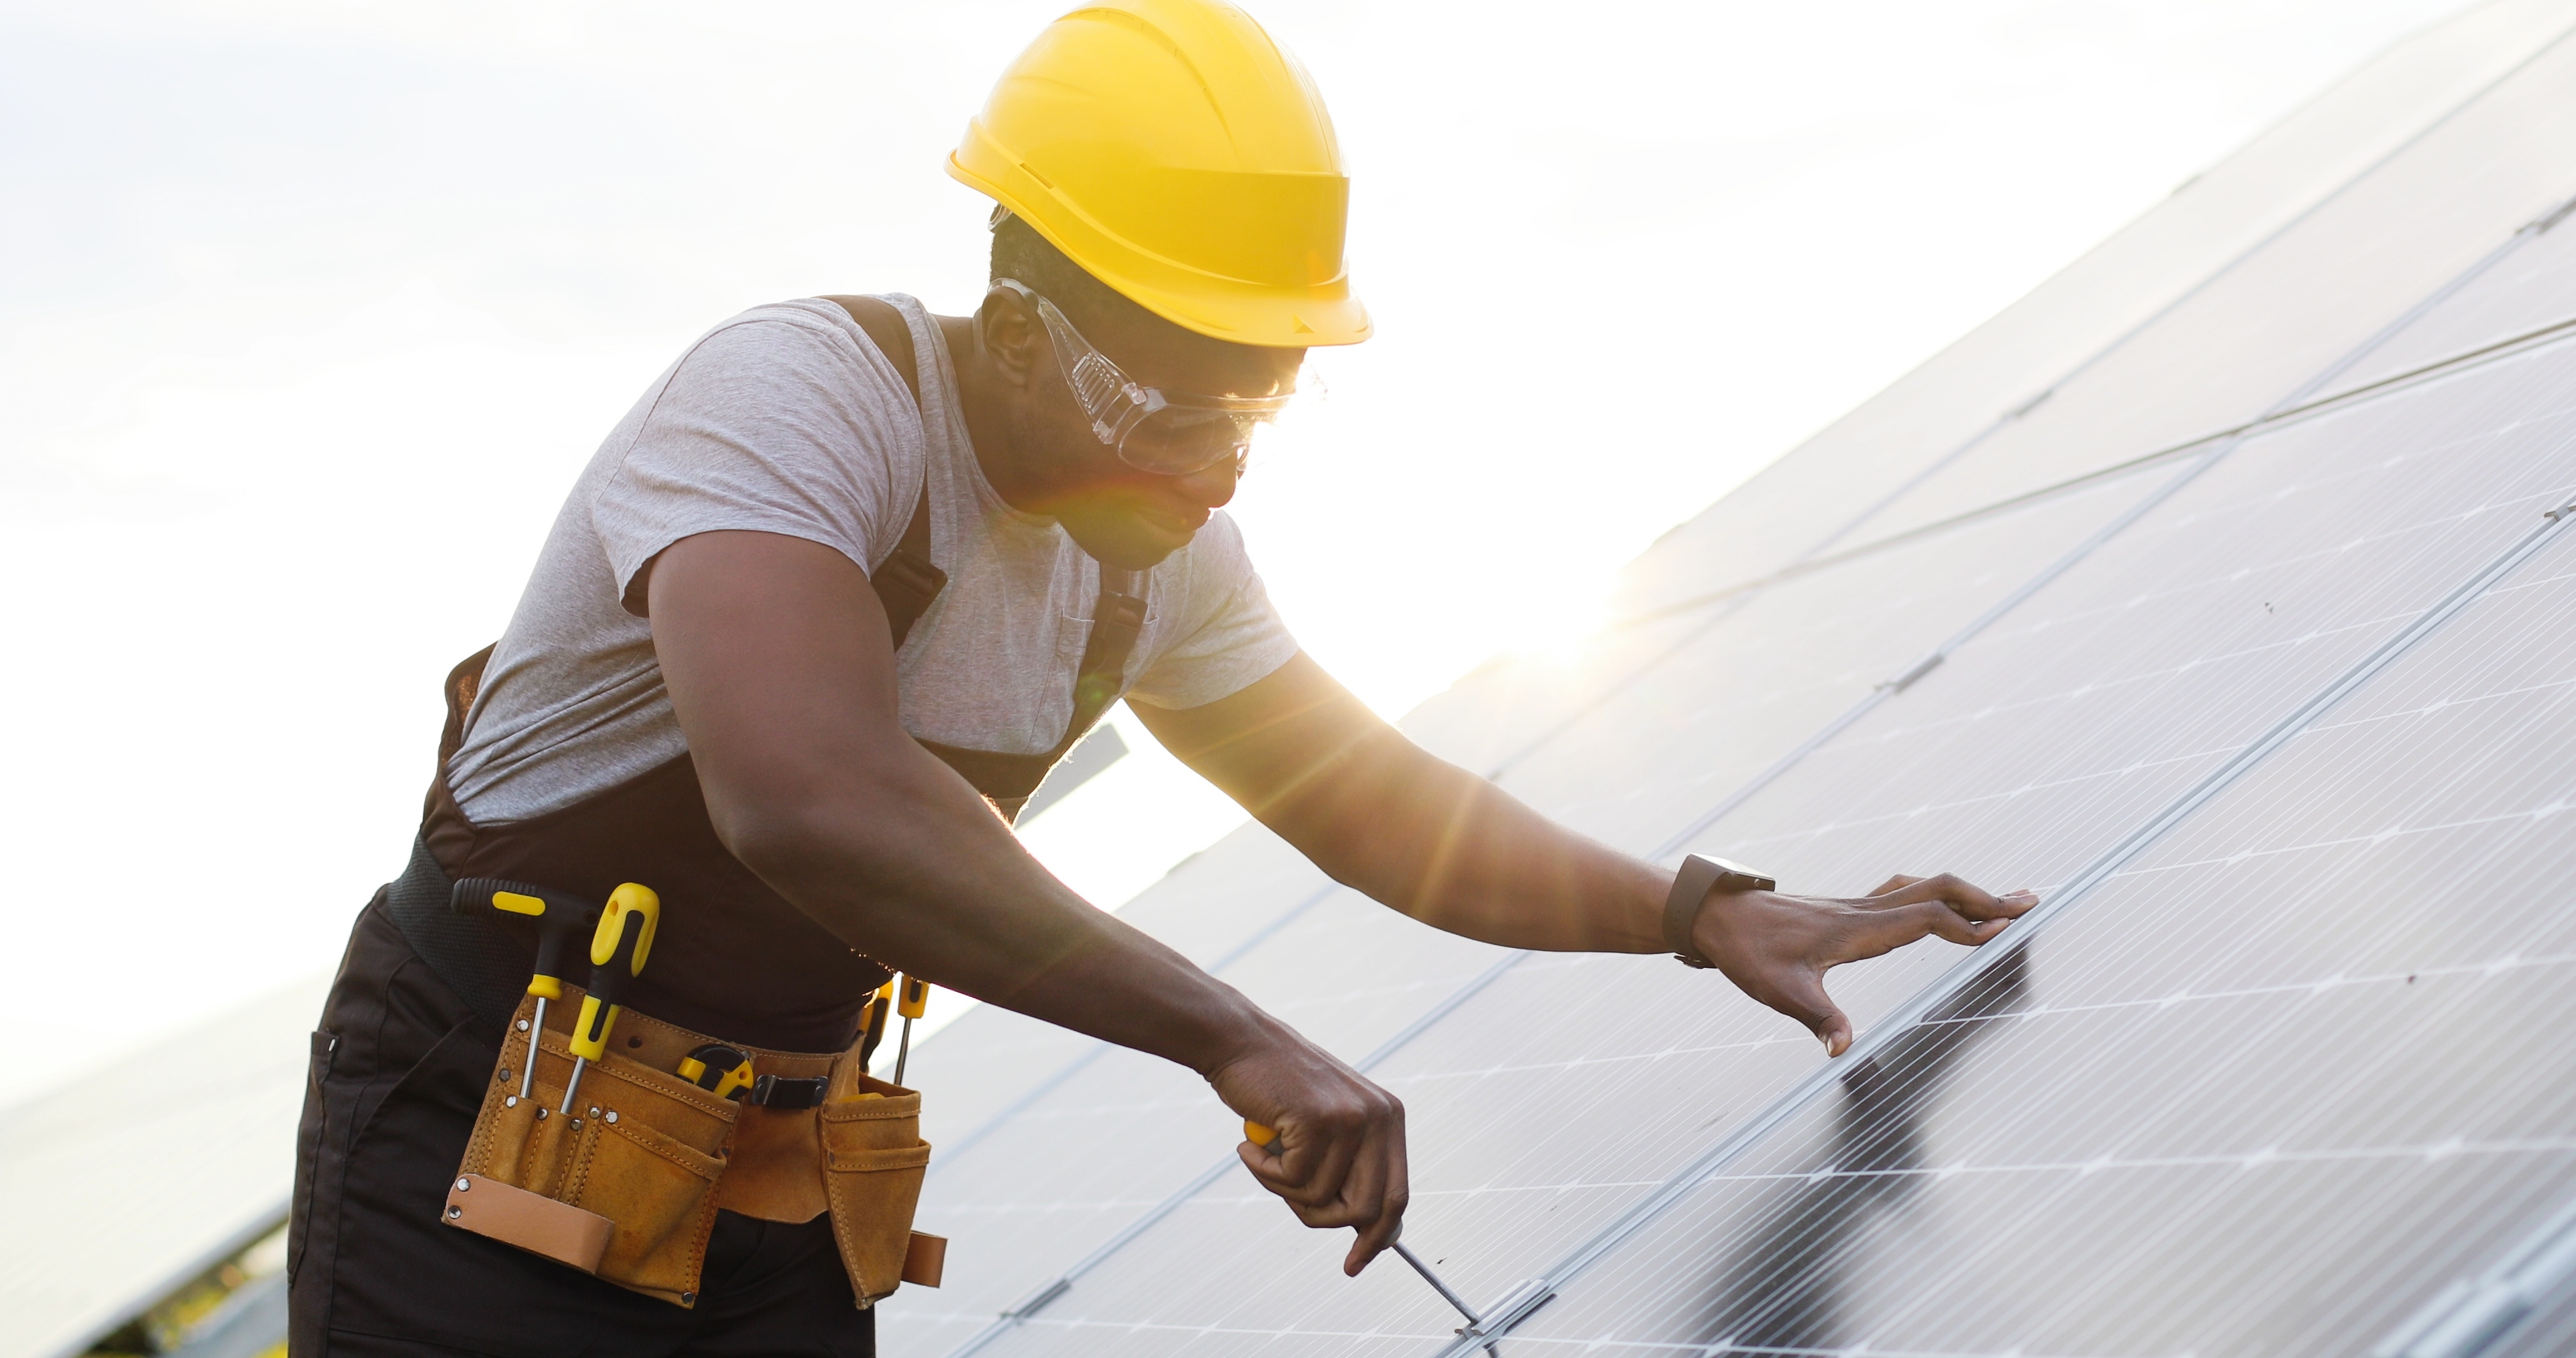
[{"x": 399, "y": 1068}]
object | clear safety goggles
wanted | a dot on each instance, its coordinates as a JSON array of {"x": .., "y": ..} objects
[{"x": 1167, "y": 433}]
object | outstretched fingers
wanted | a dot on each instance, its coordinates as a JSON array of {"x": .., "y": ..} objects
[{"x": 1962, "y": 896}]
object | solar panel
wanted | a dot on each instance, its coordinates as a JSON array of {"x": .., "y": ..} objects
[
  {"x": 2526, "y": 295},
  {"x": 1564, "y": 1091},
  {"x": 2269, "y": 1089},
  {"x": 1967, "y": 390}
]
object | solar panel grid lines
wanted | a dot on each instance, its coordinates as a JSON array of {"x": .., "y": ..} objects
[
  {"x": 2448, "y": 1151},
  {"x": 2147, "y": 544},
  {"x": 2208, "y": 1164},
  {"x": 2380, "y": 248},
  {"x": 1954, "y": 400}
]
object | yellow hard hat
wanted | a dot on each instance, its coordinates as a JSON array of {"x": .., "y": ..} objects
[{"x": 1180, "y": 156}]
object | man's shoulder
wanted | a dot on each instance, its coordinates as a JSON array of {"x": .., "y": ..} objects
[
  {"x": 800, "y": 324},
  {"x": 805, "y": 354}
]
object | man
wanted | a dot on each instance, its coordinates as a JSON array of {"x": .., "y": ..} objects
[{"x": 843, "y": 585}]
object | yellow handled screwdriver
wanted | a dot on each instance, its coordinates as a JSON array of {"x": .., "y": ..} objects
[
  {"x": 911, "y": 1001},
  {"x": 561, "y": 920},
  {"x": 1269, "y": 1140},
  {"x": 617, "y": 952}
]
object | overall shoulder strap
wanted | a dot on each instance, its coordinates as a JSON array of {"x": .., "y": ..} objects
[
  {"x": 906, "y": 582},
  {"x": 1117, "y": 619}
]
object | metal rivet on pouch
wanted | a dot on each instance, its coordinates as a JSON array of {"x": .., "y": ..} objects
[
  {"x": 637, "y": 1041},
  {"x": 503, "y": 1077},
  {"x": 523, "y": 1025},
  {"x": 575, "y": 1124},
  {"x": 464, "y": 1184},
  {"x": 594, "y": 1110},
  {"x": 454, "y": 1212},
  {"x": 541, "y": 1112},
  {"x": 612, "y": 1115},
  {"x": 510, "y": 1101},
  {"x": 688, "y": 1299}
]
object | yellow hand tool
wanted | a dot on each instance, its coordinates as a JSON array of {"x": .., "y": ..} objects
[
  {"x": 720, "y": 1070},
  {"x": 911, "y": 1000},
  {"x": 561, "y": 921},
  {"x": 617, "y": 952},
  {"x": 1268, "y": 1140}
]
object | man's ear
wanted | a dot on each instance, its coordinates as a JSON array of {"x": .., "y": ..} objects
[{"x": 1006, "y": 329}]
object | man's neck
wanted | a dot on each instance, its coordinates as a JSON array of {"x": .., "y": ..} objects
[{"x": 988, "y": 428}]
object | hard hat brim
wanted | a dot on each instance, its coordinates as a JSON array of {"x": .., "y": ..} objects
[{"x": 1235, "y": 310}]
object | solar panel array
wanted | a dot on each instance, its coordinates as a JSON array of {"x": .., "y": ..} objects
[{"x": 2218, "y": 590}]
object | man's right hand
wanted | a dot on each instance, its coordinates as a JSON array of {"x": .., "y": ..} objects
[{"x": 1339, "y": 1157}]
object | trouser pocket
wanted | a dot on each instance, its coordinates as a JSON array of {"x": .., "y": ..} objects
[
  {"x": 873, "y": 1163},
  {"x": 308, "y": 1145}
]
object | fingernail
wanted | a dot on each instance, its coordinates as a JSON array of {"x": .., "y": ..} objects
[
  {"x": 1828, "y": 1040},
  {"x": 2025, "y": 894}
]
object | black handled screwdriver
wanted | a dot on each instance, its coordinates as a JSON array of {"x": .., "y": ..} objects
[
  {"x": 617, "y": 952},
  {"x": 562, "y": 921}
]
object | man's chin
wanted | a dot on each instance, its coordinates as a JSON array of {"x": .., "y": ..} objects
[{"x": 1127, "y": 542}]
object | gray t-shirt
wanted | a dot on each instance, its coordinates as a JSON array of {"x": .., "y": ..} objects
[{"x": 787, "y": 419}]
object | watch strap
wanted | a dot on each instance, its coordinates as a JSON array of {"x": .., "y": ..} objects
[{"x": 1691, "y": 889}]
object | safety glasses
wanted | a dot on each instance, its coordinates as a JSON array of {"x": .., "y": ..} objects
[{"x": 1167, "y": 433}]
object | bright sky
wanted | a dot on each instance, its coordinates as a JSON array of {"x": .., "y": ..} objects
[{"x": 310, "y": 310}]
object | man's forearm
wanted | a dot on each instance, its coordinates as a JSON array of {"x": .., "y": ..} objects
[
  {"x": 915, "y": 869},
  {"x": 1455, "y": 851}
]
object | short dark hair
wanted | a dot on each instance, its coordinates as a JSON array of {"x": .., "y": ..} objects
[{"x": 1020, "y": 252}]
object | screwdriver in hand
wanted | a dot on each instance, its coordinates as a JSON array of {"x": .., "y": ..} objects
[
  {"x": 1269, "y": 1140},
  {"x": 561, "y": 922},
  {"x": 617, "y": 952}
]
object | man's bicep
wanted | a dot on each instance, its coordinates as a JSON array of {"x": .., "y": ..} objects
[
  {"x": 1272, "y": 740},
  {"x": 775, "y": 652}
]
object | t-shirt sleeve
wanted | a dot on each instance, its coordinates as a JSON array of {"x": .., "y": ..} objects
[
  {"x": 776, "y": 425},
  {"x": 1243, "y": 641}
]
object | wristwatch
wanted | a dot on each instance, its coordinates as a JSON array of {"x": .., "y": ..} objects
[{"x": 1701, "y": 878}]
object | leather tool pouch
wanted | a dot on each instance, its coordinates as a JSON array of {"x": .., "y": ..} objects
[{"x": 626, "y": 1186}]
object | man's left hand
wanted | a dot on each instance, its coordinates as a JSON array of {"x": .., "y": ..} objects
[{"x": 1778, "y": 947}]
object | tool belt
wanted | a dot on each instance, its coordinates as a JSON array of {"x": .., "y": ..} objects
[{"x": 627, "y": 1184}]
